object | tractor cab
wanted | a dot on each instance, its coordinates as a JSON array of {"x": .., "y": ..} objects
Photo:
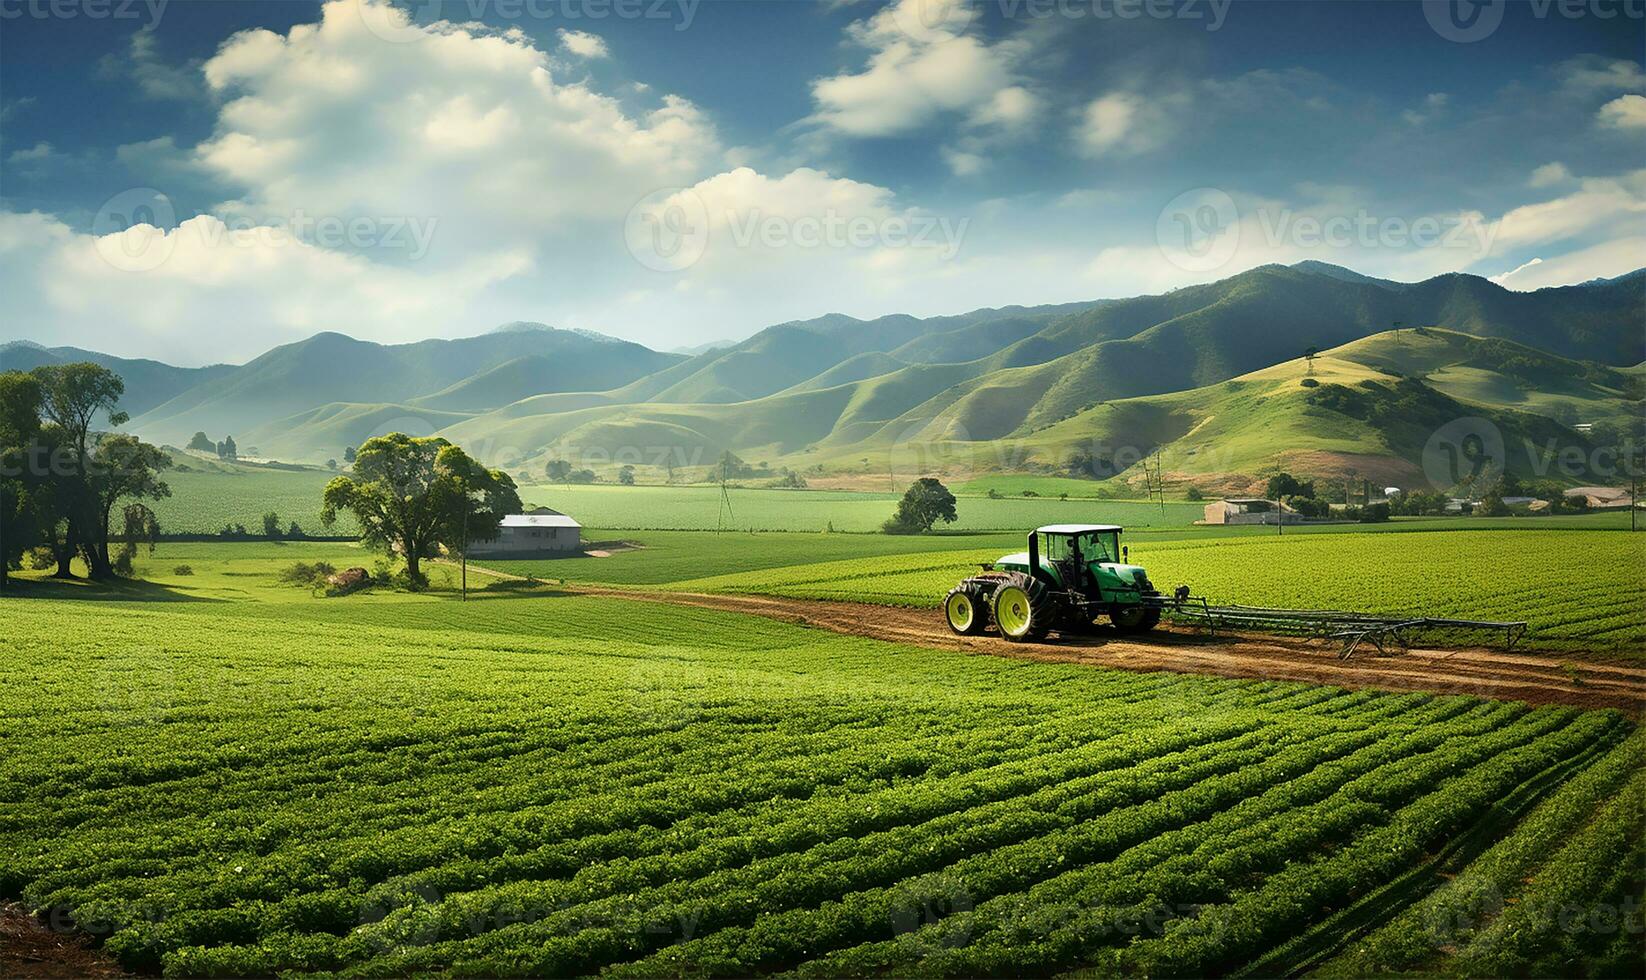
[{"x": 1085, "y": 559}]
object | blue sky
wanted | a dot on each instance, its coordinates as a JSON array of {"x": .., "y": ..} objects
[{"x": 199, "y": 181}]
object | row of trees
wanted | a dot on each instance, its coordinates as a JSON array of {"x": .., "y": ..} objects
[
  {"x": 61, "y": 479},
  {"x": 224, "y": 450}
]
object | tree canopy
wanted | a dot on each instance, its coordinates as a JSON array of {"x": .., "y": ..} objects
[
  {"x": 412, "y": 495},
  {"x": 926, "y": 502},
  {"x": 62, "y": 478}
]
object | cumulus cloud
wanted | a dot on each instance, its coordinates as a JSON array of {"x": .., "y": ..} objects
[
  {"x": 38, "y": 153},
  {"x": 1549, "y": 175},
  {"x": 1607, "y": 207},
  {"x": 167, "y": 294},
  {"x": 924, "y": 68},
  {"x": 156, "y": 78},
  {"x": 583, "y": 44},
  {"x": 1604, "y": 260},
  {"x": 521, "y": 179},
  {"x": 1432, "y": 107},
  {"x": 1624, "y": 112}
]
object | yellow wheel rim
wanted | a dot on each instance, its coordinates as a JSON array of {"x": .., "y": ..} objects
[
  {"x": 1011, "y": 609},
  {"x": 959, "y": 608}
]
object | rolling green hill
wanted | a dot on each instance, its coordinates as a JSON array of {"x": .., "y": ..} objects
[
  {"x": 1203, "y": 368},
  {"x": 329, "y": 367},
  {"x": 148, "y": 383}
]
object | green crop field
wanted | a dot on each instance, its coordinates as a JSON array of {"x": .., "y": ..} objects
[
  {"x": 218, "y": 774},
  {"x": 203, "y": 500},
  {"x": 1598, "y": 604},
  {"x": 689, "y": 508},
  {"x": 672, "y": 556}
]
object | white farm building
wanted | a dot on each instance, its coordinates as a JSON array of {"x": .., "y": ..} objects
[{"x": 528, "y": 535}]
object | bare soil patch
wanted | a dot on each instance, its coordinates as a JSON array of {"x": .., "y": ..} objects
[
  {"x": 29, "y": 949},
  {"x": 1477, "y": 671}
]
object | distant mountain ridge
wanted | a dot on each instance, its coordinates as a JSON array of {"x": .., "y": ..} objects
[{"x": 836, "y": 388}]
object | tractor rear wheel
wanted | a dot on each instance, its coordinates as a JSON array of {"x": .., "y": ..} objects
[
  {"x": 1023, "y": 608},
  {"x": 966, "y": 609}
]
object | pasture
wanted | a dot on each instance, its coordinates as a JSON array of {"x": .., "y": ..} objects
[{"x": 217, "y": 773}]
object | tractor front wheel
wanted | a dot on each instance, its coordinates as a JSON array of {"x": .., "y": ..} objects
[
  {"x": 1134, "y": 619},
  {"x": 1023, "y": 608},
  {"x": 966, "y": 610}
]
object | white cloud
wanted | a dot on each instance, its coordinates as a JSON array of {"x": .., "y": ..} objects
[
  {"x": 583, "y": 44},
  {"x": 922, "y": 67},
  {"x": 1624, "y": 112},
  {"x": 1604, "y": 207},
  {"x": 38, "y": 153},
  {"x": 1590, "y": 73},
  {"x": 1433, "y": 105},
  {"x": 1549, "y": 175},
  {"x": 1601, "y": 261},
  {"x": 962, "y": 163},
  {"x": 1520, "y": 269},
  {"x": 169, "y": 294},
  {"x": 452, "y": 122},
  {"x": 1110, "y": 126},
  {"x": 523, "y": 180},
  {"x": 155, "y": 77}
]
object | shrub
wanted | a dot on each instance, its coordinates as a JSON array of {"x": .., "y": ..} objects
[
  {"x": 1309, "y": 383},
  {"x": 304, "y": 573},
  {"x": 1193, "y": 493},
  {"x": 183, "y": 570}
]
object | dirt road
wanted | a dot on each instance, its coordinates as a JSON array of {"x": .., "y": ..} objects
[{"x": 1536, "y": 678}]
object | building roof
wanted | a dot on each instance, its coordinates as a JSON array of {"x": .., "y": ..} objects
[
  {"x": 1614, "y": 493},
  {"x": 1077, "y": 528},
  {"x": 538, "y": 520}
]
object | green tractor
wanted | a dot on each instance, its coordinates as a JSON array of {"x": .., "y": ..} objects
[{"x": 1072, "y": 575}]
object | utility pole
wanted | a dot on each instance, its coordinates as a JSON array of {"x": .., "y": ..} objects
[{"x": 467, "y": 505}]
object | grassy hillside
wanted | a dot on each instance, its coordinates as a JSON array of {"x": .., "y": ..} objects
[
  {"x": 148, "y": 383},
  {"x": 1374, "y": 404},
  {"x": 294, "y": 379},
  {"x": 789, "y": 354}
]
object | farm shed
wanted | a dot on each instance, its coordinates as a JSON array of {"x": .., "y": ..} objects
[
  {"x": 1249, "y": 510},
  {"x": 528, "y": 535},
  {"x": 1602, "y": 496}
]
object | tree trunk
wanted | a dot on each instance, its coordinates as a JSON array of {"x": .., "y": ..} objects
[
  {"x": 64, "y": 550},
  {"x": 94, "y": 546},
  {"x": 412, "y": 570}
]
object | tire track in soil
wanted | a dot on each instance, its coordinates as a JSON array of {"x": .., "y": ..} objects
[{"x": 1475, "y": 671}]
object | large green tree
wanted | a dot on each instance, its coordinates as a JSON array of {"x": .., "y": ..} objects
[
  {"x": 413, "y": 495},
  {"x": 926, "y": 502},
  {"x": 73, "y": 397},
  {"x": 123, "y": 467},
  {"x": 20, "y": 399}
]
